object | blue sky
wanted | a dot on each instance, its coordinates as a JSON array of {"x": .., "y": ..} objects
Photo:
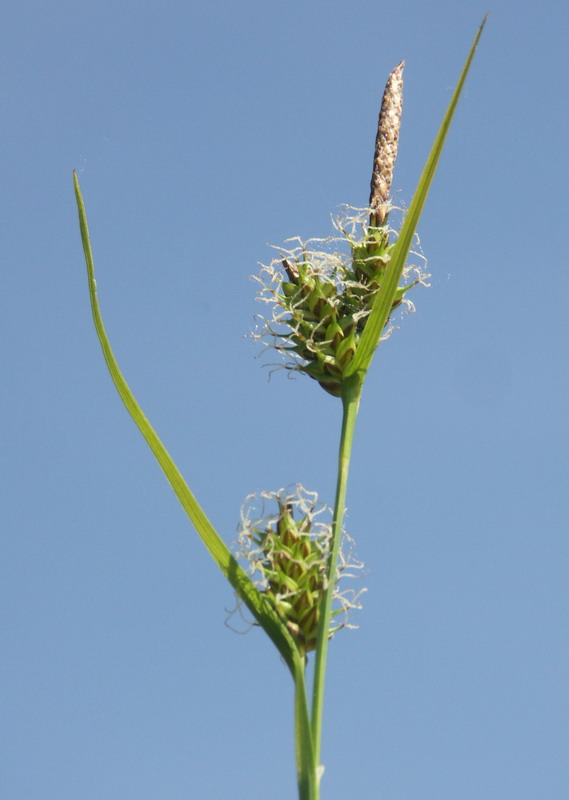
[{"x": 202, "y": 132}]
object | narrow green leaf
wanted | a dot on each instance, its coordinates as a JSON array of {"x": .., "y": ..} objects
[
  {"x": 383, "y": 302},
  {"x": 217, "y": 548}
]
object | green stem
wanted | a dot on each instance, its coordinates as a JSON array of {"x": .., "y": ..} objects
[
  {"x": 306, "y": 763},
  {"x": 351, "y": 394}
]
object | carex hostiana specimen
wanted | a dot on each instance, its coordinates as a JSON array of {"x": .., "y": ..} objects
[{"x": 332, "y": 300}]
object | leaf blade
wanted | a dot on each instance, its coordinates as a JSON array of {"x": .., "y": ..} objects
[{"x": 215, "y": 545}]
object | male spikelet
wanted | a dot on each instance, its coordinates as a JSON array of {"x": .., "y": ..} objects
[{"x": 386, "y": 144}]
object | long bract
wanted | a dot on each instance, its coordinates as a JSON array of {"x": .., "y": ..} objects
[{"x": 217, "y": 548}]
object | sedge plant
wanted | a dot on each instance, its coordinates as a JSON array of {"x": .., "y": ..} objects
[{"x": 330, "y": 306}]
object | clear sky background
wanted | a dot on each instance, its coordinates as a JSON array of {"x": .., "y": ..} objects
[{"x": 201, "y": 132}]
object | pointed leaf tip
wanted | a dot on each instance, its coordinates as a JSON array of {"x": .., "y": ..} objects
[{"x": 384, "y": 299}]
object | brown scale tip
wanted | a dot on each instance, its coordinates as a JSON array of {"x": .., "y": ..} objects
[
  {"x": 386, "y": 143},
  {"x": 290, "y": 270}
]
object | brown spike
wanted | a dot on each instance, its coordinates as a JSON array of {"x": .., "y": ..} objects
[{"x": 386, "y": 143}]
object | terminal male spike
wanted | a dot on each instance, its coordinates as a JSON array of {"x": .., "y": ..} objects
[{"x": 386, "y": 144}]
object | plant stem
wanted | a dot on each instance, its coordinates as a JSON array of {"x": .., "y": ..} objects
[
  {"x": 306, "y": 763},
  {"x": 351, "y": 394}
]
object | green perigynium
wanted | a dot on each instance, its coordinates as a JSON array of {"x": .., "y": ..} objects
[
  {"x": 285, "y": 538},
  {"x": 321, "y": 293}
]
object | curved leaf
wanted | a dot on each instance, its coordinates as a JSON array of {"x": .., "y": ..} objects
[{"x": 238, "y": 578}]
